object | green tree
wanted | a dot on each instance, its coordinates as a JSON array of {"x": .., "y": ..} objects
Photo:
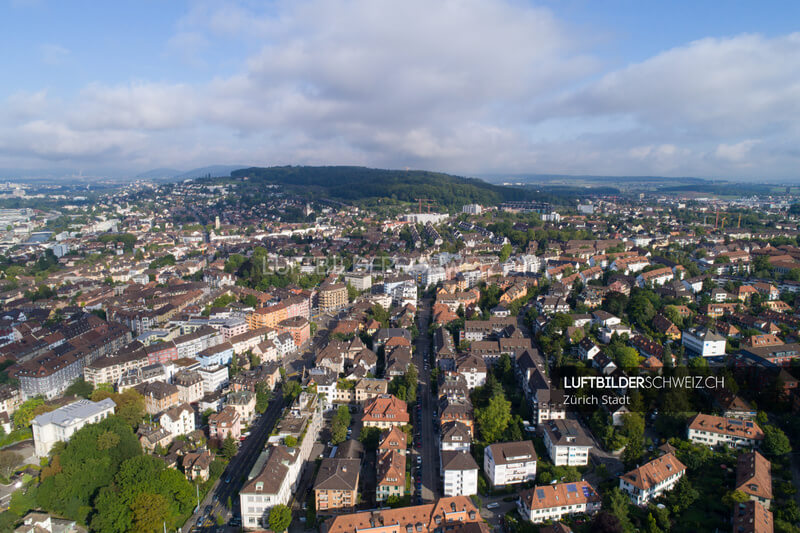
[
  {"x": 229, "y": 447},
  {"x": 626, "y": 357},
  {"x": 29, "y": 409},
  {"x": 616, "y": 503},
  {"x": 494, "y": 418},
  {"x": 505, "y": 252},
  {"x": 149, "y": 512},
  {"x": 776, "y": 442},
  {"x": 280, "y": 517},
  {"x": 79, "y": 388},
  {"x": 682, "y": 496},
  {"x": 341, "y": 421},
  {"x": 291, "y": 390}
]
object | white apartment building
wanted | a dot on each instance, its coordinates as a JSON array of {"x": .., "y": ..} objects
[
  {"x": 59, "y": 425},
  {"x": 702, "y": 342},
  {"x": 715, "y": 430},
  {"x": 507, "y": 463},
  {"x": 553, "y": 502},
  {"x": 215, "y": 377},
  {"x": 652, "y": 479},
  {"x": 567, "y": 442},
  {"x": 178, "y": 420},
  {"x": 460, "y": 472}
]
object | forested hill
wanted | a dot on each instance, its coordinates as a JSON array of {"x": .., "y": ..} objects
[{"x": 355, "y": 184}]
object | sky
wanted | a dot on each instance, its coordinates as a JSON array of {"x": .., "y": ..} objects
[{"x": 471, "y": 87}]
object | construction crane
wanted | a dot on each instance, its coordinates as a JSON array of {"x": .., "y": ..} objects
[
  {"x": 428, "y": 203},
  {"x": 724, "y": 218}
]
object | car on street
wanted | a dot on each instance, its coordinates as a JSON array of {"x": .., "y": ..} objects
[{"x": 493, "y": 505}]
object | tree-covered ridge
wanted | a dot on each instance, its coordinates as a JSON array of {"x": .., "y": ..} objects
[{"x": 360, "y": 183}]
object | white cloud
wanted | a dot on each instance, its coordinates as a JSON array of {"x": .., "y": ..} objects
[{"x": 467, "y": 86}]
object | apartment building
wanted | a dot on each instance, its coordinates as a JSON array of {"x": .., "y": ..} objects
[
  {"x": 553, "y": 502},
  {"x": 652, "y": 479},
  {"x": 703, "y": 342},
  {"x": 385, "y": 411},
  {"x": 391, "y": 475},
  {"x": 507, "y": 463},
  {"x": 178, "y": 420},
  {"x": 452, "y": 514},
  {"x": 190, "y": 385},
  {"x": 226, "y": 422},
  {"x": 567, "y": 442},
  {"x": 459, "y": 472},
  {"x": 754, "y": 477},
  {"x": 332, "y": 296},
  {"x": 336, "y": 485},
  {"x": 715, "y": 430}
]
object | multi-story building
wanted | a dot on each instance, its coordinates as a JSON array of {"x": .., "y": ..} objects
[
  {"x": 244, "y": 401},
  {"x": 336, "y": 485},
  {"x": 298, "y": 327},
  {"x": 268, "y": 485},
  {"x": 553, "y": 502},
  {"x": 507, "y": 463},
  {"x": 161, "y": 352},
  {"x": 332, "y": 296},
  {"x": 385, "y": 411},
  {"x": 754, "y": 477},
  {"x": 108, "y": 369},
  {"x": 60, "y": 424},
  {"x": 460, "y": 473},
  {"x": 158, "y": 396},
  {"x": 391, "y": 475},
  {"x": 215, "y": 377},
  {"x": 360, "y": 281},
  {"x": 567, "y": 442},
  {"x": 393, "y": 440},
  {"x": 224, "y": 423},
  {"x": 190, "y": 385},
  {"x": 219, "y": 354},
  {"x": 652, "y": 479},
  {"x": 178, "y": 420},
  {"x": 452, "y": 514},
  {"x": 703, "y": 342},
  {"x": 752, "y": 517},
  {"x": 715, "y": 430},
  {"x": 455, "y": 436},
  {"x": 190, "y": 344}
]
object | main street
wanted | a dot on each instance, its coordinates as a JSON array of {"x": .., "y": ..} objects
[
  {"x": 235, "y": 474},
  {"x": 430, "y": 449}
]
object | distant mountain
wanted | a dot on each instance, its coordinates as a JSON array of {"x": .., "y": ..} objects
[
  {"x": 158, "y": 174},
  {"x": 213, "y": 171},
  {"x": 170, "y": 174}
]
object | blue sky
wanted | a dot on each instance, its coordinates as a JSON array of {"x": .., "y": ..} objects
[{"x": 708, "y": 89}]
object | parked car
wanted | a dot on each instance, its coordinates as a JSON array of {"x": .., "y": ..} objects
[{"x": 493, "y": 505}]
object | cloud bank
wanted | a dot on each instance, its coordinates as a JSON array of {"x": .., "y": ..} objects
[{"x": 466, "y": 86}]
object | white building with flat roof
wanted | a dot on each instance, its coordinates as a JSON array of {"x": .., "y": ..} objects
[{"x": 59, "y": 425}]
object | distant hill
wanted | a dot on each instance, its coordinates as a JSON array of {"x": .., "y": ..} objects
[
  {"x": 158, "y": 174},
  {"x": 169, "y": 174},
  {"x": 360, "y": 183},
  {"x": 213, "y": 171}
]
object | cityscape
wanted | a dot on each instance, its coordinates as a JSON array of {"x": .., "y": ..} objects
[{"x": 362, "y": 266}]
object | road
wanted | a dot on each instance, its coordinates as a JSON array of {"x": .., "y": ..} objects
[
  {"x": 430, "y": 439},
  {"x": 215, "y": 501}
]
